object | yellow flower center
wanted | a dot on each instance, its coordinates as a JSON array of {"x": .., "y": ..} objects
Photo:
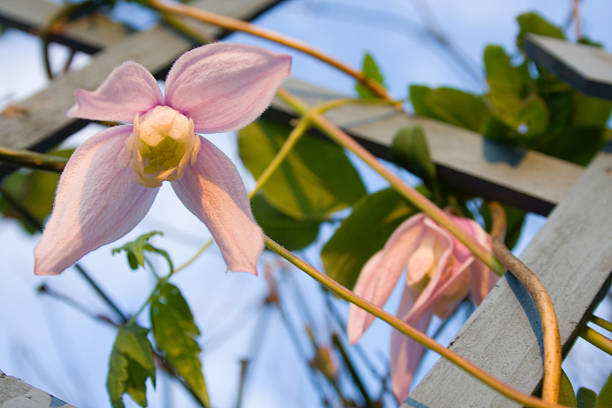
[{"x": 161, "y": 145}]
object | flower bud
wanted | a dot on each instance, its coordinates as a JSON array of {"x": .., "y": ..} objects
[{"x": 161, "y": 145}]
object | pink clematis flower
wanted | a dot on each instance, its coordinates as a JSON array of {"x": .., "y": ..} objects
[
  {"x": 439, "y": 273},
  {"x": 111, "y": 180}
]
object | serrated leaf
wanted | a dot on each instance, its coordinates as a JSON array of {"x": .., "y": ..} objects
[
  {"x": 175, "y": 334},
  {"x": 567, "y": 397},
  {"x": 131, "y": 363},
  {"x": 409, "y": 149},
  {"x": 586, "y": 398},
  {"x": 134, "y": 250},
  {"x": 505, "y": 85},
  {"x": 34, "y": 190},
  {"x": 370, "y": 69},
  {"x": 315, "y": 180},
  {"x": 534, "y": 23},
  {"x": 291, "y": 233},
  {"x": 604, "y": 399},
  {"x": 363, "y": 233}
]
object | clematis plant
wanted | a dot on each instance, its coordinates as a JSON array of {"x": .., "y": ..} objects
[
  {"x": 111, "y": 180},
  {"x": 439, "y": 273}
]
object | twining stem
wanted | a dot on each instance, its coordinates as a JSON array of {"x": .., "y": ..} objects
[
  {"x": 537, "y": 291},
  {"x": 604, "y": 324},
  {"x": 420, "y": 201},
  {"x": 238, "y": 25},
  {"x": 597, "y": 339},
  {"x": 408, "y": 330},
  {"x": 32, "y": 160}
]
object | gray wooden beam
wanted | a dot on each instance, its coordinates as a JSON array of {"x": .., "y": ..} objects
[
  {"x": 572, "y": 255},
  {"x": 584, "y": 67},
  {"x": 14, "y": 393}
]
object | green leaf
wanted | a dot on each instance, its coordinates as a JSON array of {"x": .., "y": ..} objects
[
  {"x": 409, "y": 149},
  {"x": 450, "y": 105},
  {"x": 134, "y": 250},
  {"x": 578, "y": 144},
  {"x": 534, "y": 23},
  {"x": 291, "y": 233},
  {"x": 566, "y": 392},
  {"x": 131, "y": 363},
  {"x": 370, "y": 69},
  {"x": 586, "y": 398},
  {"x": 604, "y": 399},
  {"x": 590, "y": 111},
  {"x": 533, "y": 116},
  {"x": 363, "y": 233},
  {"x": 175, "y": 334},
  {"x": 505, "y": 85},
  {"x": 34, "y": 190},
  {"x": 315, "y": 180}
]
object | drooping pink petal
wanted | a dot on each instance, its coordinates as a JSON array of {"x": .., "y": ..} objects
[
  {"x": 483, "y": 278},
  {"x": 96, "y": 202},
  {"x": 212, "y": 190},
  {"x": 365, "y": 287},
  {"x": 223, "y": 86},
  {"x": 129, "y": 90},
  {"x": 406, "y": 353},
  {"x": 396, "y": 253}
]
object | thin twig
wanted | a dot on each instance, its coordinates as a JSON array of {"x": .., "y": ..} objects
[
  {"x": 32, "y": 160},
  {"x": 597, "y": 339},
  {"x": 604, "y": 324},
  {"x": 546, "y": 310}
]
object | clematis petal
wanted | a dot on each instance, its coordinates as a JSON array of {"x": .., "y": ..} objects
[
  {"x": 396, "y": 253},
  {"x": 365, "y": 287},
  {"x": 406, "y": 353},
  {"x": 483, "y": 278},
  {"x": 223, "y": 87},
  {"x": 212, "y": 190},
  {"x": 97, "y": 201},
  {"x": 129, "y": 90}
]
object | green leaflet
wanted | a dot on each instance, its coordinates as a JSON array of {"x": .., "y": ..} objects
[
  {"x": 409, "y": 149},
  {"x": 604, "y": 399},
  {"x": 566, "y": 392},
  {"x": 363, "y": 233},
  {"x": 315, "y": 180},
  {"x": 534, "y": 23},
  {"x": 586, "y": 398},
  {"x": 291, "y": 233},
  {"x": 175, "y": 334},
  {"x": 134, "y": 250},
  {"x": 370, "y": 70},
  {"x": 131, "y": 363},
  {"x": 449, "y": 105}
]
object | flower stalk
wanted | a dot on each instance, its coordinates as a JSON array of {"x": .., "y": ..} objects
[{"x": 32, "y": 160}]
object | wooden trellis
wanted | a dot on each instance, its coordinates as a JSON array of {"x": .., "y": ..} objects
[{"x": 572, "y": 253}]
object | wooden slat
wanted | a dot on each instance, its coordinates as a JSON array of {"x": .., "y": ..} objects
[
  {"x": 86, "y": 34},
  {"x": 527, "y": 179},
  {"x": 572, "y": 255},
  {"x": 584, "y": 67},
  {"x": 15, "y": 393},
  {"x": 45, "y": 122}
]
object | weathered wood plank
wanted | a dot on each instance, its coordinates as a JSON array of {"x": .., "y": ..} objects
[
  {"x": 572, "y": 255},
  {"x": 584, "y": 67},
  {"x": 45, "y": 122},
  {"x": 14, "y": 393},
  {"x": 527, "y": 179},
  {"x": 88, "y": 34}
]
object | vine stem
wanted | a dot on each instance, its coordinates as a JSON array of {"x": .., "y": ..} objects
[
  {"x": 408, "y": 330},
  {"x": 548, "y": 318},
  {"x": 238, "y": 25},
  {"x": 597, "y": 339},
  {"x": 604, "y": 324},
  {"x": 416, "y": 198},
  {"x": 33, "y": 160}
]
